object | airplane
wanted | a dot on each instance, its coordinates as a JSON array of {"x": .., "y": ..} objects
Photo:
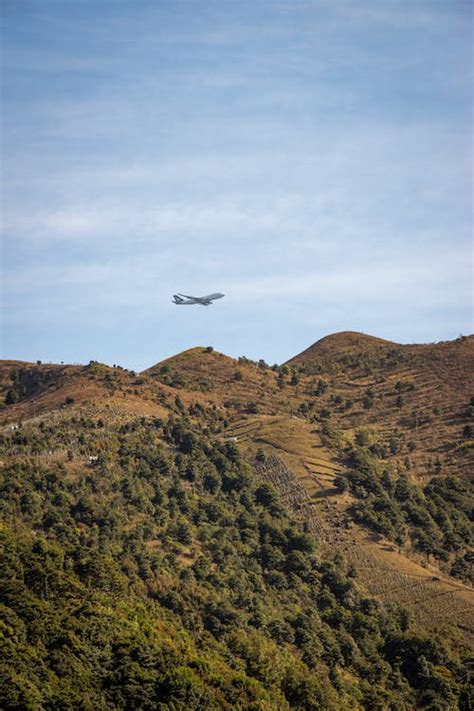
[{"x": 179, "y": 299}]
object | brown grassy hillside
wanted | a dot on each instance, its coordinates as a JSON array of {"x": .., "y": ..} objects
[
  {"x": 413, "y": 400},
  {"x": 416, "y": 395},
  {"x": 205, "y": 370},
  {"x": 31, "y": 390}
]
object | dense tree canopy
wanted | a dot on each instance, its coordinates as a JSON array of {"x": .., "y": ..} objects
[{"x": 143, "y": 566}]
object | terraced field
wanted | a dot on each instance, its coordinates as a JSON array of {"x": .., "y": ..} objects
[
  {"x": 296, "y": 443},
  {"x": 299, "y": 466},
  {"x": 432, "y": 598}
]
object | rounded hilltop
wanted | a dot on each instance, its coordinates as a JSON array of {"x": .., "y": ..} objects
[
  {"x": 353, "y": 344},
  {"x": 190, "y": 357},
  {"x": 339, "y": 344},
  {"x": 203, "y": 369}
]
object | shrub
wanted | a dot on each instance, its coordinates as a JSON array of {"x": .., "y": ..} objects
[{"x": 11, "y": 397}]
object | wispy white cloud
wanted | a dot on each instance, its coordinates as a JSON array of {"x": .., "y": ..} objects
[
  {"x": 360, "y": 179},
  {"x": 153, "y": 224}
]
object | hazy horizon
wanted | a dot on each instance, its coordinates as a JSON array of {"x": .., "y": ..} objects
[{"x": 311, "y": 160}]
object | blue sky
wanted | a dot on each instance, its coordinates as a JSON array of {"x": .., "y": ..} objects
[{"x": 310, "y": 158}]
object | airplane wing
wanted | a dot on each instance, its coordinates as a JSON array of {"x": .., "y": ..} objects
[
  {"x": 194, "y": 298},
  {"x": 211, "y": 297}
]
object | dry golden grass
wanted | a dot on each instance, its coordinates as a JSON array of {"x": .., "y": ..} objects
[
  {"x": 433, "y": 598},
  {"x": 295, "y": 441}
]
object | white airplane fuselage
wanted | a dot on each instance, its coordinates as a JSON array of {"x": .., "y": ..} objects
[{"x": 185, "y": 300}]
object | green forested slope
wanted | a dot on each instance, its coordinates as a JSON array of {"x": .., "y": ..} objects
[
  {"x": 166, "y": 576},
  {"x": 434, "y": 519}
]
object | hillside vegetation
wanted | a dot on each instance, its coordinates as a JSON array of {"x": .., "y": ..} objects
[{"x": 220, "y": 533}]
